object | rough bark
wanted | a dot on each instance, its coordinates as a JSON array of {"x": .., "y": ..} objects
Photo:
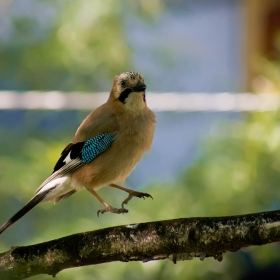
[{"x": 179, "y": 239}]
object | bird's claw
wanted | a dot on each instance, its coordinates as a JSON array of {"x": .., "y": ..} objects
[
  {"x": 136, "y": 194},
  {"x": 112, "y": 210}
]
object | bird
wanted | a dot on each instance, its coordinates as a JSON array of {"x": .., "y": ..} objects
[{"x": 106, "y": 147}]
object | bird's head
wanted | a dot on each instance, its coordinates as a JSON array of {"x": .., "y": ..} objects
[{"x": 129, "y": 91}]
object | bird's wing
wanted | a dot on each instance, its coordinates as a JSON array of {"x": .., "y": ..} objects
[
  {"x": 72, "y": 157},
  {"x": 75, "y": 155}
]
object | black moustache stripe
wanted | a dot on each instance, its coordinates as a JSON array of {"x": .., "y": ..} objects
[{"x": 125, "y": 94}]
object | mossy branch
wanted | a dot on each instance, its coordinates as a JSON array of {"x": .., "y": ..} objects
[{"x": 178, "y": 239}]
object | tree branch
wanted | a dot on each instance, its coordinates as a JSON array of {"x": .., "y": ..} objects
[{"x": 179, "y": 239}]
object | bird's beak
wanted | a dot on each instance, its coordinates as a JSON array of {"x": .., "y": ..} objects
[{"x": 139, "y": 87}]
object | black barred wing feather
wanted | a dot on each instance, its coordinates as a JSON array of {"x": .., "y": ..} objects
[
  {"x": 70, "y": 153},
  {"x": 75, "y": 155}
]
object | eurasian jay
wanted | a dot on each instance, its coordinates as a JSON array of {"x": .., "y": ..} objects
[{"x": 106, "y": 147}]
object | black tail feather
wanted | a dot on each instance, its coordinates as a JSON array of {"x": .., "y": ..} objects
[{"x": 32, "y": 203}]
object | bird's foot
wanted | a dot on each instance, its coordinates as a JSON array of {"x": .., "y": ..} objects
[
  {"x": 131, "y": 194},
  {"x": 112, "y": 210}
]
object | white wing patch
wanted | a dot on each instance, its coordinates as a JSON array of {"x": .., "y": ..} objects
[{"x": 67, "y": 159}]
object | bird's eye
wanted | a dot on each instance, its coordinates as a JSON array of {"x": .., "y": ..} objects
[{"x": 123, "y": 83}]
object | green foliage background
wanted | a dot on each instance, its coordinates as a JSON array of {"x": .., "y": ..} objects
[{"x": 82, "y": 47}]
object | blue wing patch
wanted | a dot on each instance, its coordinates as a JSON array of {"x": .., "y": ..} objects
[
  {"x": 96, "y": 145},
  {"x": 83, "y": 152},
  {"x": 75, "y": 155}
]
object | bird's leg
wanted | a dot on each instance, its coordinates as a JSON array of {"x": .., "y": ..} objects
[
  {"x": 131, "y": 193},
  {"x": 108, "y": 207}
]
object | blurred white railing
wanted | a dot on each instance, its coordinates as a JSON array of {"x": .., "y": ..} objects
[{"x": 184, "y": 102}]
